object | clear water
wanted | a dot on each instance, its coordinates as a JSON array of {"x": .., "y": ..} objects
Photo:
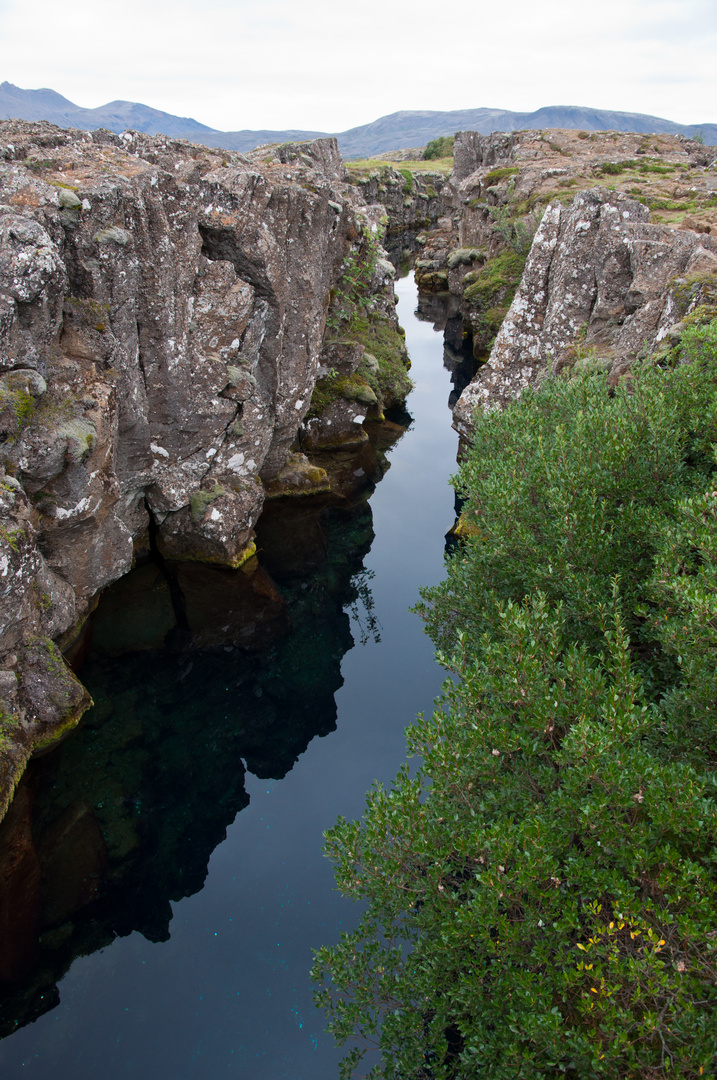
[{"x": 216, "y": 983}]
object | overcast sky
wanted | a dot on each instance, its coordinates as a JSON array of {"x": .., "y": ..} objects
[{"x": 324, "y": 65}]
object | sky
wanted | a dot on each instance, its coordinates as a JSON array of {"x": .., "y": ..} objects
[{"x": 326, "y": 66}]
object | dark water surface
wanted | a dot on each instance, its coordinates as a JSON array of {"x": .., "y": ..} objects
[{"x": 184, "y": 982}]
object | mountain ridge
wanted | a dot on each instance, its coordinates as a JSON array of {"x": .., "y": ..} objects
[{"x": 402, "y": 128}]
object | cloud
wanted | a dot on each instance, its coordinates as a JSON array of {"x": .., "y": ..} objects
[{"x": 318, "y": 65}]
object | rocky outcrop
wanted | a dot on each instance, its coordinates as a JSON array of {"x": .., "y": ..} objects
[
  {"x": 162, "y": 316},
  {"x": 601, "y": 287},
  {"x": 413, "y": 200},
  {"x": 601, "y": 281}
]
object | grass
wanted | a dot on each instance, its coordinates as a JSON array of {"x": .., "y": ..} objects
[{"x": 361, "y": 167}]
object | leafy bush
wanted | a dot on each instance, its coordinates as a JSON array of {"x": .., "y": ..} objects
[
  {"x": 539, "y": 898},
  {"x": 439, "y": 148}
]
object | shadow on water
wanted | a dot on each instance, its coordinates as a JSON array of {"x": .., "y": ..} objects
[{"x": 198, "y": 675}]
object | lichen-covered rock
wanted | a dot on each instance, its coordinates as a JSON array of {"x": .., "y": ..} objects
[
  {"x": 162, "y": 316},
  {"x": 298, "y": 477},
  {"x": 600, "y": 285},
  {"x": 413, "y": 200}
]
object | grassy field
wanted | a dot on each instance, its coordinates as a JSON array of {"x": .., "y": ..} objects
[{"x": 364, "y": 166}]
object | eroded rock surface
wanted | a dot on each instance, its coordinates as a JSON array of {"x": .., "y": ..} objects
[
  {"x": 626, "y": 239},
  {"x": 162, "y": 316},
  {"x": 600, "y": 287}
]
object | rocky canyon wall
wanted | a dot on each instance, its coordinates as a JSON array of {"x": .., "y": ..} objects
[
  {"x": 163, "y": 309},
  {"x": 567, "y": 250}
]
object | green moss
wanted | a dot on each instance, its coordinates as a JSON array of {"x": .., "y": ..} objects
[
  {"x": 408, "y": 181},
  {"x": 693, "y": 291},
  {"x": 69, "y": 721},
  {"x": 490, "y": 297},
  {"x": 390, "y": 382},
  {"x": 701, "y": 315},
  {"x": 355, "y": 387},
  {"x": 200, "y": 500},
  {"x": 496, "y": 175},
  {"x": 489, "y": 323},
  {"x": 432, "y": 281},
  {"x": 500, "y": 275},
  {"x": 21, "y": 402},
  {"x": 201, "y": 555},
  {"x": 9, "y": 726},
  {"x": 465, "y": 257},
  {"x": 385, "y": 341}
]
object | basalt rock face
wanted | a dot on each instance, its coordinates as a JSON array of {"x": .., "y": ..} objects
[
  {"x": 549, "y": 267},
  {"x": 601, "y": 287},
  {"x": 413, "y": 200},
  {"x": 162, "y": 312}
]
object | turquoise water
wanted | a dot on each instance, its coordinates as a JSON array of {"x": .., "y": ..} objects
[{"x": 190, "y": 806}]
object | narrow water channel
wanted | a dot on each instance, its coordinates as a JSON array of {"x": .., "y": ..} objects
[{"x": 183, "y": 982}]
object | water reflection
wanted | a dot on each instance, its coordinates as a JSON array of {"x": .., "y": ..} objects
[
  {"x": 198, "y": 675},
  {"x": 229, "y": 993}
]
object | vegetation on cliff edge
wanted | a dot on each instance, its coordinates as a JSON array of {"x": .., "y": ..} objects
[{"x": 539, "y": 897}]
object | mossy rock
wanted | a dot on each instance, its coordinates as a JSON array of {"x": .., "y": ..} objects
[
  {"x": 298, "y": 477},
  {"x": 433, "y": 281},
  {"x": 498, "y": 280},
  {"x": 465, "y": 257},
  {"x": 503, "y": 173},
  {"x": 68, "y": 200},
  {"x": 113, "y": 235},
  {"x": 385, "y": 373},
  {"x": 200, "y": 500},
  {"x": 695, "y": 291}
]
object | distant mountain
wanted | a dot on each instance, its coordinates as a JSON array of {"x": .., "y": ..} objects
[
  {"x": 417, "y": 128},
  {"x": 391, "y": 132},
  {"x": 17, "y": 104}
]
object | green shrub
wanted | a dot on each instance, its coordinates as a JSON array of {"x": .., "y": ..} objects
[
  {"x": 539, "y": 898},
  {"x": 540, "y": 895},
  {"x": 439, "y": 148},
  {"x": 567, "y": 488}
]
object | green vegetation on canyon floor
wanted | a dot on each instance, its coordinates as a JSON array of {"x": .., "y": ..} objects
[{"x": 539, "y": 894}]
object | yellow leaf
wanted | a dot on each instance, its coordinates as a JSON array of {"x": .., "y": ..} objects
[{"x": 582, "y": 947}]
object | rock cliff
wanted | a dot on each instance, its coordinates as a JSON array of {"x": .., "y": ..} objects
[
  {"x": 601, "y": 287},
  {"x": 162, "y": 317},
  {"x": 571, "y": 247}
]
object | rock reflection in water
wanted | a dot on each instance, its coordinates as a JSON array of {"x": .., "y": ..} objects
[
  {"x": 443, "y": 310},
  {"x": 197, "y": 674}
]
